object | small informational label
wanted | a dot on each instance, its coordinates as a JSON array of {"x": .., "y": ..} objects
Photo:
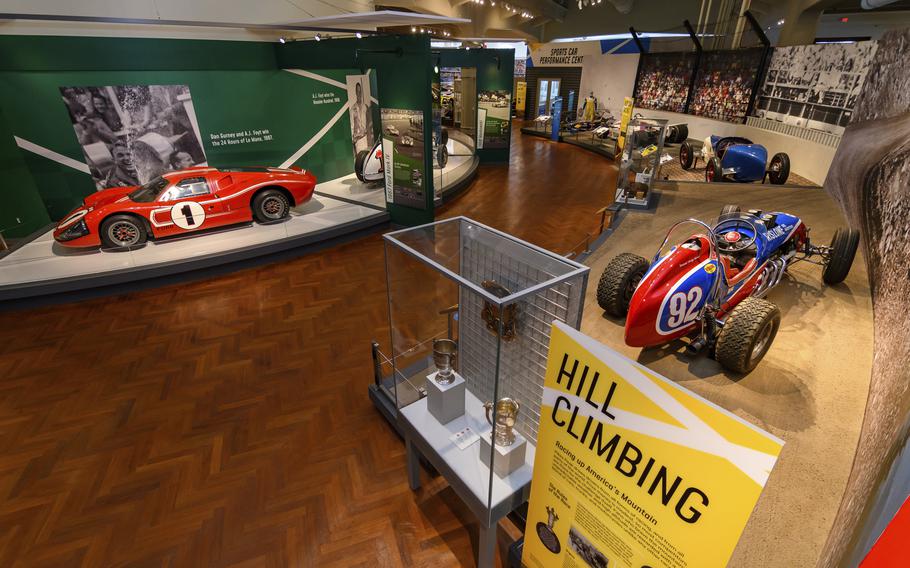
[
  {"x": 643, "y": 178},
  {"x": 253, "y": 136},
  {"x": 464, "y": 438}
]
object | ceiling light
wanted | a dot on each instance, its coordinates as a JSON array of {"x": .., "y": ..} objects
[
  {"x": 780, "y": 22},
  {"x": 359, "y": 35},
  {"x": 436, "y": 69},
  {"x": 318, "y": 37},
  {"x": 413, "y": 29},
  {"x": 282, "y": 40}
]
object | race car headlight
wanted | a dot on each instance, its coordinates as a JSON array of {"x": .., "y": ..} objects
[{"x": 79, "y": 229}]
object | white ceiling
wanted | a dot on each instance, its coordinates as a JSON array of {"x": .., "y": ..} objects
[{"x": 373, "y": 20}]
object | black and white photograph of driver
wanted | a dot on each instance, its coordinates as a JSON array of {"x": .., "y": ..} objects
[
  {"x": 358, "y": 87},
  {"x": 131, "y": 134}
]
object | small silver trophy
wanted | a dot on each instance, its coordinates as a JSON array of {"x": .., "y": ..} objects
[
  {"x": 444, "y": 351},
  {"x": 506, "y": 415}
]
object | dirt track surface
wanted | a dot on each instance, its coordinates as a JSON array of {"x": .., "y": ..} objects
[{"x": 811, "y": 388}]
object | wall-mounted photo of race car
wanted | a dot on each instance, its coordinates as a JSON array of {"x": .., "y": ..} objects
[
  {"x": 732, "y": 158},
  {"x": 711, "y": 286},
  {"x": 392, "y": 130},
  {"x": 184, "y": 201}
]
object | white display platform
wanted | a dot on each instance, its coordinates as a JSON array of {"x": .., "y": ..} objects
[
  {"x": 461, "y": 163},
  {"x": 349, "y": 187},
  {"x": 466, "y": 463},
  {"x": 42, "y": 266}
]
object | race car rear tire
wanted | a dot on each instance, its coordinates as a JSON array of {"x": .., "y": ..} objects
[
  {"x": 671, "y": 135},
  {"x": 271, "y": 205},
  {"x": 779, "y": 169},
  {"x": 442, "y": 156},
  {"x": 359, "y": 162},
  {"x": 686, "y": 155},
  {"x": 122, "y": 231},
  {"x": 728, "y": 212},
  {"x": 713, "y": 171},
  {"x": 843, "y": 251},
  {"x": 682, "y": 132},
  {"x": 747, "y": 334},
  {"x": 618, "y": 281}
]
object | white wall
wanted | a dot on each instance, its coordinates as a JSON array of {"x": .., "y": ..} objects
[
  {"x": 808, "y": 159},
  {"x": 611, "y": 77}
]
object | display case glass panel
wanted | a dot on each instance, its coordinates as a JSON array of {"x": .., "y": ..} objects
[
  {"x": 641, "y": 160},
  {"x": 495, "y": 297}
]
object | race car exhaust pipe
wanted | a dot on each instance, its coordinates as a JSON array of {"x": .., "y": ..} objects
[{"x": 697, "y": 344}]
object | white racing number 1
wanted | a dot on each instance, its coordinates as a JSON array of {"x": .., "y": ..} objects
[
  {"x": 683, "y": 307},
  {"x": 188, "y": 215}
]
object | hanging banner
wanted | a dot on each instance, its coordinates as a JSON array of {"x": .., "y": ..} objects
[
  {"x": 628, "y": 103},
  {"x": 633, "y": 470}
]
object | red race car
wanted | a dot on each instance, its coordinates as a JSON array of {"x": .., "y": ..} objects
[{"x": 184, "y": 201}]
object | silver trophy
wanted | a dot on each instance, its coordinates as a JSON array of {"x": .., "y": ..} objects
[
  {"x": 506, "y": 415},
  {"x": 444, "y": 351}
]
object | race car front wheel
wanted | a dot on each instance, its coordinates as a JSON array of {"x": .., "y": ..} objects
[
  {"x": 618, "y": 282},
  {"x": 122, "y": 231},
  {"x": 686, "y": 155},
  {"x": 747, "y": 335},
  {"x": 713, "y": 171},
  {"x": 841, "y": 255},
  {"x": 779, "y": 169},
  {"x": 270, "y": 205}
]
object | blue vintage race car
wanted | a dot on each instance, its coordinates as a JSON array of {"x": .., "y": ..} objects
[{"x": 731, "y": 158}]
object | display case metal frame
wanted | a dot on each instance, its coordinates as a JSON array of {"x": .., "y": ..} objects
[
  {"x": 640, "y": 161},
  {"x": 465, "y": 254}
]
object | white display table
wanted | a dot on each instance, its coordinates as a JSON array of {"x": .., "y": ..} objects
[{"x": 463, "y": 469}]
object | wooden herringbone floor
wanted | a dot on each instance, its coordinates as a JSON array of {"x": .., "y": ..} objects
[{"x": 226, "y": 422}]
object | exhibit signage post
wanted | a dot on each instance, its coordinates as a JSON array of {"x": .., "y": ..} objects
[
  {"x": 633, "y": 470},
  {"x": 627, "y": 105},
  {"x": 556, "y": 113}
]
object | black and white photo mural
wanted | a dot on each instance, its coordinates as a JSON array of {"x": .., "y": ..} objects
[{"x": 815, "y": 86}]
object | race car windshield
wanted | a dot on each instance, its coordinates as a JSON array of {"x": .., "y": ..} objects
[{"x": 149, "y": 191}]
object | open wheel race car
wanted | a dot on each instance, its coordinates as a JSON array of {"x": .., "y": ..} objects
[
  {"x": 711, "y": 286},
  {"x": 732, "y": 158},
  {"x": 184, "y": 201}
]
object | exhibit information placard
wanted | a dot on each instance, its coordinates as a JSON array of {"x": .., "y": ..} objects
[
  {"x": 402, "y": 150},
  {"x": 521, "y": 90},
  {"x": 497, "y": 107},
  {"x": 633, "y": 470}
]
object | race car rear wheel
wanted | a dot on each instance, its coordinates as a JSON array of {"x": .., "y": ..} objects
[
  {"x": 713, "y": 171},
  {"x": 442, "y": 156},
  {"x": 747, "y": 334},
  {"x": 779, "y": 169},
  {"x": 618, "y": 282},
  {"x": 271, "y": 205},
  {"x": 122, "y": 231},
  {"x": 686, "y": 155},
  {"x": 359, "y": 162},
  {"x": 728, "y": 212},
  {"x": 840, "y": 259}
]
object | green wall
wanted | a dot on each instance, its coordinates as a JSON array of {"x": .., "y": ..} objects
[
  {"x": 403, "y": 71},
  {"x": 495, "y": 71},
  {"x": 234, "y": 86}
]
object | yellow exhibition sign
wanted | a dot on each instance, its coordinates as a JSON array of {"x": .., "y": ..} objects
[
  {"x": 627, "y": 105},
  {"x": 521, "y": 90},
  {"x": 634, "y": 471}
]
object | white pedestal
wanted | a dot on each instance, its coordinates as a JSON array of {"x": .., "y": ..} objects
[
  {"x": 445, "y": 402},
  {"x": 506, "y": 459}
]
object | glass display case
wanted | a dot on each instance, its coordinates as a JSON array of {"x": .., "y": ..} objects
[
  {"x": 470, "y": 310},
  {"x": 641, "y": 160}
]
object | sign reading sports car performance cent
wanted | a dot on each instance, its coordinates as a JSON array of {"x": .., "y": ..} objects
[{"x": 632, "y": 470}]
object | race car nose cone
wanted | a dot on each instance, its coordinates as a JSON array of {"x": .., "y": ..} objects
[{"x": 732, "y": 237}]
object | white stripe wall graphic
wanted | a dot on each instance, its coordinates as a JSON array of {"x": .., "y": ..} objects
[{"x": 51, "y": 155}]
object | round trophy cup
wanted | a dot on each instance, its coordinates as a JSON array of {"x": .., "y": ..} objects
[
  {"x": 444, "y": 358},
  {"x": 506, "y": 415}
]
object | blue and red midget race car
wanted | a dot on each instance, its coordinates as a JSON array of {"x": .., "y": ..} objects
[
  {"x": 711, "y": 286},
  {"x": 731, "y": 158}
]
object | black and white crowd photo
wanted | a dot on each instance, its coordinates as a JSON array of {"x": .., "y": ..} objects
[{"x": 130, "y": 134}]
